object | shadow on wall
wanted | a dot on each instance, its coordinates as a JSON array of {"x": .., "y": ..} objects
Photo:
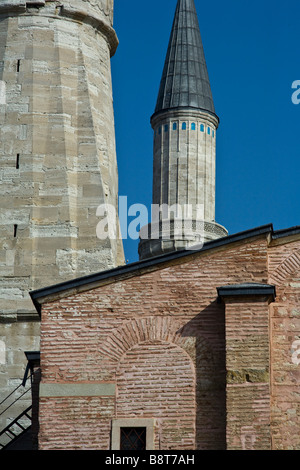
[
  {"x": 208, "y": 328},
  {"x": 176, "y": 375}
]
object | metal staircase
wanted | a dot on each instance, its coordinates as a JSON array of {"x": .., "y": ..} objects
[
  {"x": 19, "y": 426},
  {"x": 16, "y": 429}
]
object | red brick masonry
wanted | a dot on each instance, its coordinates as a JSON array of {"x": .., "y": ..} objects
[{"x": 213, "y": 368}]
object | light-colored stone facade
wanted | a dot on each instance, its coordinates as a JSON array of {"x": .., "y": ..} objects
[
  {"x": 185, "y": 160},
  {"x": 184, "y": 182},
  {"x": 57, "y": 153}
]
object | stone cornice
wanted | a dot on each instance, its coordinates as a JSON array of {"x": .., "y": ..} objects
[
  {"x": 71, "y": 10},
  {"x": 247, "y": 290},
  {"x": 89, "y": 16},
  {"x": 184, "y": 113},
  {"x": 14, "y": 6}
]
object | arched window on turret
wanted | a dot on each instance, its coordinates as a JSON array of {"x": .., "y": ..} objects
[
  {"x": 202, "y": 127},
  {"x": 193, "y": 126},
  {"x": 184, "y": 126},
  {"x": 208, "y": 130},
  {"x": 174, "y": 126}
]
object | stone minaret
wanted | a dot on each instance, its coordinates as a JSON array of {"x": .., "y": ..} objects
[
  {"x": 185, "y": 125},
  {"x": 58, "y": 159},
  {"x": 57, "y": 152}
]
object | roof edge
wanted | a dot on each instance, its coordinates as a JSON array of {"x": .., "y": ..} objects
[
  {"x": 132, "y": 269},
  {"x": 288, "y": 232},
  {"x": 247, "y": 289}
]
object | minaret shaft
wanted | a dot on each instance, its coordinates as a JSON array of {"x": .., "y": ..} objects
[
  {"x": 58, "y": 156},
  {"x": 184, "y": 162}
]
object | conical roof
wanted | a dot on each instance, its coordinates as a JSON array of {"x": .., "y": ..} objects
[{"x": 185, "y": 81}]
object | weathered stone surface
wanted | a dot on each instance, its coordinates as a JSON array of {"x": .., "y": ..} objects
[
  {"x": 184, "y": 167},
  {"x": 57, "y": 150}
]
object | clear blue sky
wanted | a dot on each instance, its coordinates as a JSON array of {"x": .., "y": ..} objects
[{"x": 252, "y": 54}]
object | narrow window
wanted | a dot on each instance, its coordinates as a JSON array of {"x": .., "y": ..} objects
[
  {"x": 133, "y": 439},
  {"x": 2, "y": 92},
  {"x": 166, "y": 128},
  {"x": 18, "y": 161},
  {"x": 213, "y": 133},
  {"x": 174, "y": 126},
  {"x": 159, "y": 130},
  {"x": 2, "y": 352},
  {"x": 208, "y": 130},
  {"x": 15, "y": 230},
  {"x": 184, "y": 126},
  {"x": 132, "y": 434},
  {"x": 193, "y": 126},
  {"x": 18, "y": 65},
  {"x": 202, "y": 127}
]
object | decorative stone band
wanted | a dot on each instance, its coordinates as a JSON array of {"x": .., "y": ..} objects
[
  {"x": 74, "y": 10},
  {"x": 170, "y": 235},
  {"x": 88, "y": 15},
  {"x": 184, "y": 229},
  {"x": 77, "y": 390},
  {"x": 184, "y": 114}
]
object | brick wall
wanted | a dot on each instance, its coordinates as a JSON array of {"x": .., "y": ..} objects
[
  {"x": 113, "y": 333},
  {"x": 284, "y": 265},
  {"x": 248, "y": 381},
  {"x": 76, "y": 423},
  {"x": 157, "y": 379}
]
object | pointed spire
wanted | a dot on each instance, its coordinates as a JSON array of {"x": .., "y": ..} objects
[{"x": 185, "y": 81}]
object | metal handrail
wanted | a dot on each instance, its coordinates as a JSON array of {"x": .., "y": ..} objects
[
  {"x": 26, "y": 391},
  {"x": 8, "y": 429},
  {"x": 10, "y": 434},
  {"x": 8, "y": 396}
]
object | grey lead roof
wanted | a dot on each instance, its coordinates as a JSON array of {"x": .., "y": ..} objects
[{"x": 185, "y": 81}]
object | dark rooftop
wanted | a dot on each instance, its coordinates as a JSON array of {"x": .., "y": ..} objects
[{"x": 185, "y": 81}]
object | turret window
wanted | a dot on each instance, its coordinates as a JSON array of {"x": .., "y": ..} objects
[
  {"x": 193, "y": 126},
  {"x": 184, "y": 126},
  {"x": 202, "y": 127},
  {"x": 208, "y": 130},
  {"x": 159, "y": 130},
  {"x": 166, "y": 128},
  {"x": 213, "y": 133},
  {"x": 174, "y": 126}
]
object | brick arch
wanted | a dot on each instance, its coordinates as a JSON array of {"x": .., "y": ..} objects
[
  {"x": 157, "y": 379},
  {"x": 286, "y": 269},
  {"x": 146, "y": 329}
]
